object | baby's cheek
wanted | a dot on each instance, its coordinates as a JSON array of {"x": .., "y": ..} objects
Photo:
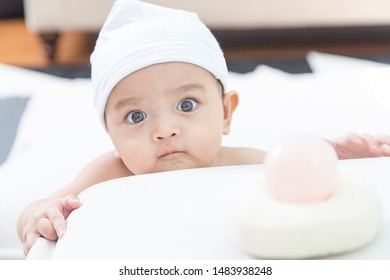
[{"x": 138, "y": 161}]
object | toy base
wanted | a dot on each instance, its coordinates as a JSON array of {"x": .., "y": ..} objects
[{"x": 271, "y": 229}]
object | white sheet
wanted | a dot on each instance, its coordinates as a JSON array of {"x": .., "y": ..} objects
[
  {"x": 59, "y": 125},
  {"x": 185, "y": 214}
]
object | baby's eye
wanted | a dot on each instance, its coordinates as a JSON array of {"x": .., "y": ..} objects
[
  {"x": 187, "y": 105},
  {"x": 135, "y": 117}
]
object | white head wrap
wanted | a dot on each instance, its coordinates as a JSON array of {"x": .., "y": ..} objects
[{"x": 137, "y": 34}]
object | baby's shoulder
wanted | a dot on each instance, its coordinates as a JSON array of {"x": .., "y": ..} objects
[{"x": 109, "y": 166}]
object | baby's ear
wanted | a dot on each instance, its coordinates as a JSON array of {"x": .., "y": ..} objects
[
  {"x": 230, "y": 102},
  {"x": 116, "y": 154}
]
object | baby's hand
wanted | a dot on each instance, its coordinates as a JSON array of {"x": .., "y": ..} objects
[
  {"x": 46, "y": 218},
  {"x": 362, "y": 146}
]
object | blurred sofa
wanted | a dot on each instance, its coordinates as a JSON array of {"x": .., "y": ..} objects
[
  {"x": 51, "y": 17},
  {"x": 58, "y": 15}
]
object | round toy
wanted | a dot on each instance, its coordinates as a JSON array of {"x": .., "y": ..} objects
[{"x": 301, "y": 169}]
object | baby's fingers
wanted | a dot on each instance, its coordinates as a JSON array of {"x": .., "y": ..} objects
[
  {"x": 383, "y": 138},
  {"x": 384, "y": 141},
  {"x": 385, "y": 150},
  {"x": 70, "y": 203},
  {"x": 375, "y": 146},
  {"x": 45, "y": 229},
  {"x": 57, "y": 222},
  {"x": 29, "y": 242}
]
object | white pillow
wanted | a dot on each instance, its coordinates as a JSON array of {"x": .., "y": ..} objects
[
  {"x": 274, "y": 103},
  {"x": 185, "y": 214}
]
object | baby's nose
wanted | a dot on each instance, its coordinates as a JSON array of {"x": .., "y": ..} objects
[{"x": 165, "y": 131}]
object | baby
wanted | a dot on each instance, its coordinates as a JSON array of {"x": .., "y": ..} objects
[{"x": 160, "y": 80}]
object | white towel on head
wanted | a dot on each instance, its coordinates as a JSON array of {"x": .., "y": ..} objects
[{"x": 137, "y": 34}]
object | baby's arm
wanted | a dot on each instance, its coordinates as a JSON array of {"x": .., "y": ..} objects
[
  {"x": 361, "y": 146},
  {"x": 46, "y": 217}
]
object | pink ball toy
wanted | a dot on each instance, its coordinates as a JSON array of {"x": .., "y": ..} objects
[{"x": 302, "y": 169}]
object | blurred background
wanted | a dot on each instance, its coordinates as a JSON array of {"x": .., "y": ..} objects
[{"x": 57, "y": 36}]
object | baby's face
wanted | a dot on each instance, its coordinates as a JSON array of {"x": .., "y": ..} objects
[{"x": 167, "y": 116}]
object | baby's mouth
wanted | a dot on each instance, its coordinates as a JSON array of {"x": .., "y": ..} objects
[{"x": 171, "y": 152}]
